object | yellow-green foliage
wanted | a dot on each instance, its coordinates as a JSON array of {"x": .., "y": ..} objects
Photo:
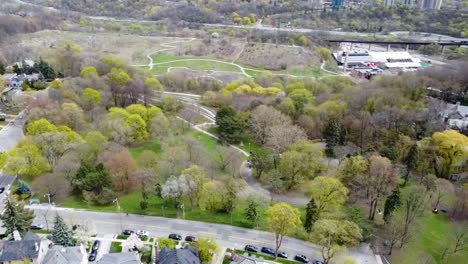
[{"x": 248, "y": 88}]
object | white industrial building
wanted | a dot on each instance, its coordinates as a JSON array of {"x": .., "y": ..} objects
[{"x": 400, "y": 60}]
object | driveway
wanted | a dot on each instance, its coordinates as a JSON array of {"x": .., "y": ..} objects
[{"x": 226, "y": 235}]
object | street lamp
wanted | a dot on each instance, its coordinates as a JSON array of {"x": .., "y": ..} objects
[{"x": 116, "y": 201}]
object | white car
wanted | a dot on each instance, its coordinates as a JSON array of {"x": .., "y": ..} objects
[{"x": 141, "y": 233}]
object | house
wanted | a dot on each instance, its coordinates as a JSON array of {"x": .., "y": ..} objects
[
  {"x": 186, "y": 255},
  {"x": 66, "y": 255},
  {"x": 30, "y": 247},
  {"x": 456, "y": 116},
  {"x": 120, "y": 258}
]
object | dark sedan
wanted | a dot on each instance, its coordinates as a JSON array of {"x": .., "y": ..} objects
[
  {"x": 301, "y": 258},
  {"x": 268, "y": 251},
  {"x": 92, "y": 256},
  {"x": 175, "y": 236},
  {"x": 251, "y": 248},
  {"x": 128, "y": 232},
  {"x": 96, "y": 245},
  {"x": 191, "y": 239}
]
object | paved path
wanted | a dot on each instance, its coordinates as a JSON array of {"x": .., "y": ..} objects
[{"x": 226, "y": 235}]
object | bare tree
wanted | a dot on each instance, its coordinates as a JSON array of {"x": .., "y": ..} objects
[
  {"x": 54, "y": 184},
  {"x": 380, "y": 180},
  {"x": 280, "y": 137},
  {"x": 263, "y": 118}
]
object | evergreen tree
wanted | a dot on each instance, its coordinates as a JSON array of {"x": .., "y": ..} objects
[
  {"x": 391, "y": 203},
  {"x": 332, "y": 134},
  {"x": 411, "y": 161},
  {"x": 251, "y": 212},
  {"x": 61, "y": 234},
  {"x": 15, "y": 217},
  {"x": 2, "y": 68},
  {"x": 23, "y": 188},
  {"x": 311, "y": 216},
  {"x": 229, "y": 125},
  {"x": 45, "y": 69}
]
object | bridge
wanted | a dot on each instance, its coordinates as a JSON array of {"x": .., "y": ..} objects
[{"x": 443, "y": 44}]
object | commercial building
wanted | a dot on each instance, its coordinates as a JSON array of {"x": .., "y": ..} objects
[
  {"x": 430, "y": 4},
  {"x": 391, "y": 61},
  {"x": 337, "y": 4}
]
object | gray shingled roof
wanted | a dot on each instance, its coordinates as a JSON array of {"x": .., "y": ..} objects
[
  {"x": 18, "y": 250},
  {"x": 187, "y": 255},
  {"x": 120, "y": 258},
  {"x": 63, "y": 255}
]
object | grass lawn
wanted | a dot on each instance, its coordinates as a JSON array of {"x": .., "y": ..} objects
[
  {"x": 151, "y": 145},
  {"x": 116, "y": 247},
  {"x": 209, "y": 143},
  {"x": 432, "y": 238},
  {"x": 264, "y": 256},
  {"x": 122, "y": 236},
  {"x": 2, "y": 123}
]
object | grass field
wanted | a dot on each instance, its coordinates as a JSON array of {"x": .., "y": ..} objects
[
  {"x": 151, "y": 145},
  {"x": 116, "y": 247},
  {"x": 199, "y": 63},
  {"x": 433, "y": 236}
]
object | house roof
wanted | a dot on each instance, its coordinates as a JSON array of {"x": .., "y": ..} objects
[
  {"x": 31, "y": 236},
  {"x": 64, "y": 255},
  {"x": 120, "y": 258},
  {"x": 18, "y": 250},
  {"x": 187, "y": 255}
]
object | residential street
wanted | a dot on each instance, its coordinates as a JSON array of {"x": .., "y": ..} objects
[
  {"x": 227, "y": 236},
  {"x": 12, "y": 134}
]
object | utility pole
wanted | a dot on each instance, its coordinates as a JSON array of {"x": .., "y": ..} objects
[
  {"x": 48, "y": 197},
  {"x": 116, "y": 201}
]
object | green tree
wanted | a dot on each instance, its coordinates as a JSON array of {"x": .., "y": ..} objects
[
  {"x": 334, "y": 134},
  {"x": 391, "y": 203},
  {"x": 61, "y": 234},
  {"x": 118, "y": 77},
  {"x": 92, "y": 95},
  {"x": 251, "y": 211},
  {"x": 88, "y": 72},
  {"x": 16, "y": 217},
  {"x": 138, "y": 127},
  {"x": 25, "y": 159},
  {"x": 411, "y": 161},
  {"x": 351, "y": 168},
  {"x": 229, "y": 125},
  {"x": 282, "y": 219},
  {"x": 300, "y": 97},
  {"x": 334, "y": 236},
  {"x": 450, "y": 146},
  {"x": 40, "y": 126},
  {"x": 206, "y": 249},
  {"x": 302, "y": 40},
  {"x": 164, "y": 242},
  {"x": 96, "y": 141},
  {"x": 311, "y": 216},
  {"x": 324, "y": 53},
  {"x": 261, "y": 160},
  {"x": 328, "y": 193},
  {"x": 302, "y": 160},
  {"x": 91, "y": 178},
  {"x": 153, "y": 84},
  {"x": 23, "y": 188},
  {"x": 138, "y": 109}
]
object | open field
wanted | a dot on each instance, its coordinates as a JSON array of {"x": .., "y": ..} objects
[
  {"x": 164, "y": 62},
  {"x": 434, "y": 235}
]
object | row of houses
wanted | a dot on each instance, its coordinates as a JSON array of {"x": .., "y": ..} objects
[
  {"x": 40, "y": 250},
  {"x": 14, "y": 82}
]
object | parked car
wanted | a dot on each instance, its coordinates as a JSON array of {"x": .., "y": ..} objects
[
  {"x": 251, "y": 248},
  {"x": 128, "y": 232},
  {"x": 36, "y": 226},
  {"x": 268, "y": 251},
  {"x": 317, "y": 262},
  {"x": 191, "y": 239},
  {"x": 301, "y": 258},
  {"x": 92, "y": 256},
  {"x": 282, "y": 254},
  {"x": 141, "y": 233},
  {"x": 2, "y": 189},
  {"x": 96, "y": 245},
  {"x": 175, "y": 236}
]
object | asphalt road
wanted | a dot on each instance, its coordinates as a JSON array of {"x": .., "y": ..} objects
[
  {"x": 227, "y": 236},
  {"x": 12, "y": 134}
]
